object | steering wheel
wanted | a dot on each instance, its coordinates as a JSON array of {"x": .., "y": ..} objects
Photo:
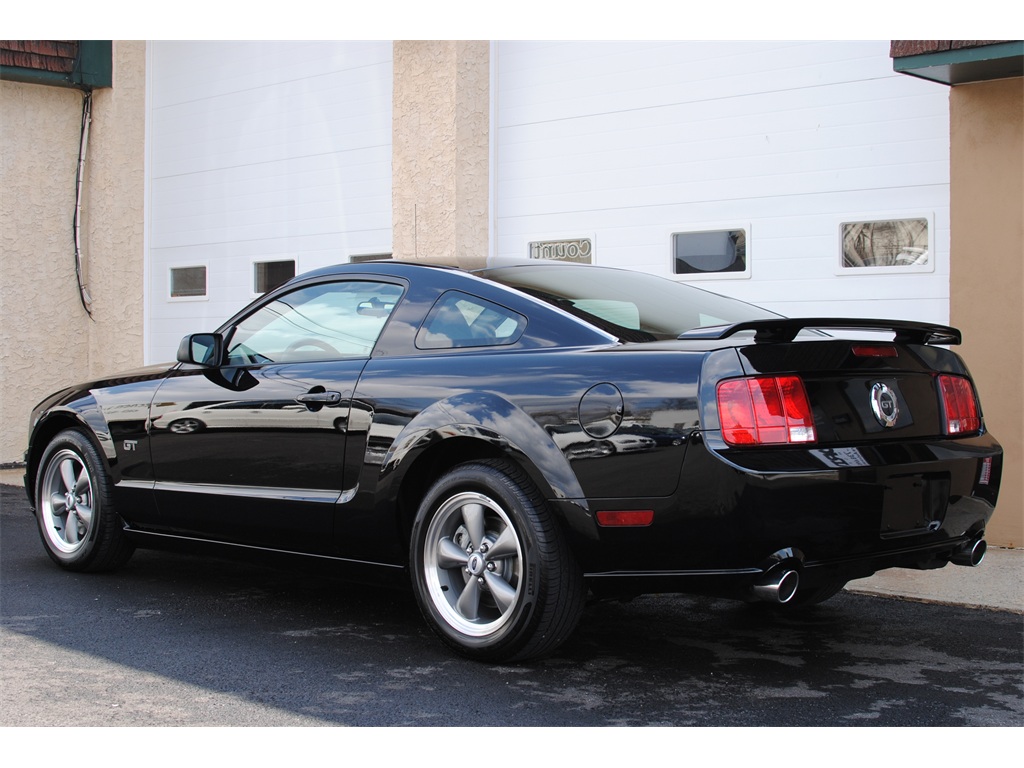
[{"x": 309, "y": 341}]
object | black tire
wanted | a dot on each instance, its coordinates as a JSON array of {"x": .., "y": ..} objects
[
  {"x": 77, "y": 522},
  {"x": 492, "y": 573}
]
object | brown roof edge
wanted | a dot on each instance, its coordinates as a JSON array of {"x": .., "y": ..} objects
[
  {"x": 901, "y": 48},
  {"x": 43, "y": 55}
]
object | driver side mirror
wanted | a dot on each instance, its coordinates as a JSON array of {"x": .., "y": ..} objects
[{"x": 206, "y": 349}]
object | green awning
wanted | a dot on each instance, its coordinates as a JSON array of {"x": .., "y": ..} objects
[{"x": 966, "y": 65}]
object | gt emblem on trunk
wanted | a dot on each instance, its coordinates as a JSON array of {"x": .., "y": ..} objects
[{"x": 884, "y": 405}]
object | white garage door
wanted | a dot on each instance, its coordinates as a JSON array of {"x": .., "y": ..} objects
[
  {"x": 750, "y": 167},
  {"x": 264, "y": 158}
]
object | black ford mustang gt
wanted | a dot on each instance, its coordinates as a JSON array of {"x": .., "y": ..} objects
[{"x": 511, "y": 439}]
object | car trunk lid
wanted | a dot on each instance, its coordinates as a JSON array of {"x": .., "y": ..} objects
[{"x": 863, "y": 389}]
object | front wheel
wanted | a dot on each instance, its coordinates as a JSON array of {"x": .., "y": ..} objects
[
  {"x": 492, "y": 574},
  {"x": 77, "y": 521}
]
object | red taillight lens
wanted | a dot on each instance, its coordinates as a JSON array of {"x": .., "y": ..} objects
[
  {"x": 959, "y": 405},
  {"x": 765, "y": 410}
]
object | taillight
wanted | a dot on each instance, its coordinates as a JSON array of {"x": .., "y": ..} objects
[
  {"x": 765, "y": 410},
  {"x": 874, "y": 350},
  {"x": 960, "y": 412}
]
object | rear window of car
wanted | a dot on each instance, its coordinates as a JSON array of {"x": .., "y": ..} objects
[{"x": 634, "y": 306}]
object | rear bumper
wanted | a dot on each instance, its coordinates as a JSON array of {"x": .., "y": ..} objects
[
  {"x": 842, "y": 515},
  {"x": 740, "y": 581}
]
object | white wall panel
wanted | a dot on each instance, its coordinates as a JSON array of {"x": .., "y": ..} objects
[
  {"x": 261, "y": 151},
  {"x": 628, "y": 142}
]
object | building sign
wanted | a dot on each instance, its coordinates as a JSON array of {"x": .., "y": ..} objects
[{"x": 581, "y": 250}]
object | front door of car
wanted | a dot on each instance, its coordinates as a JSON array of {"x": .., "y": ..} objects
[{"x": 253, "y": 450}]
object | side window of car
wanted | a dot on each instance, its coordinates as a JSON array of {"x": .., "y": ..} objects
[
  {"x": 324, "y": 321},
  {"x": 459, "y": 320}
]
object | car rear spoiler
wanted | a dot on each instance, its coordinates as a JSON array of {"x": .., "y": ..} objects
[{"x": 786, "y": 329}]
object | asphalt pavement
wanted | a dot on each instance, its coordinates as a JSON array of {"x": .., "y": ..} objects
[{"x": 173, "y": 640}]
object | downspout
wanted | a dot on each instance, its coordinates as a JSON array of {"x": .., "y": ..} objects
[{"x": 83, "y": 291}]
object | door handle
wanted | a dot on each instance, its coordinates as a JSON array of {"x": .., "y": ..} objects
[{"x": 319, "y": 399}]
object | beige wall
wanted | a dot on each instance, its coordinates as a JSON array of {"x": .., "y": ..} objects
[
  {"x": 46, "y": 339},
  {"x": 440, "y": 155},
  {"x": 987, "y": 270}
]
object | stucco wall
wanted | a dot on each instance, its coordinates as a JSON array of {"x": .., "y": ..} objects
[
  {"x": 114, "y": 213},
  {"x": 441, "y": 108},
  {"x": 46, "y": 339},
  {"x": 987, "y": 270}
]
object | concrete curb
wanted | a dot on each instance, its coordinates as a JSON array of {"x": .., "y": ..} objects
[{"x": 997, "y": 584}]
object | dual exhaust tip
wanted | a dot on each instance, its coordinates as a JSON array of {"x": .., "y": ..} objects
[
  {"x": 970, "y": 554},
  {"x": 778, "y": 586}
]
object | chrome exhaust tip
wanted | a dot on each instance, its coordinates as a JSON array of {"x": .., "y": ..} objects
[
  {"x": 778, "y": 587},
  {"x": 971, "y": 554}
]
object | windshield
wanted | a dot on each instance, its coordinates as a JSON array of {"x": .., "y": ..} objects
[{"x": 631, "y": 305}]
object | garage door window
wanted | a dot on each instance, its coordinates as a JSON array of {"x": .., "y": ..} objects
[
  {"x": 721, "y": 252},
  {"x": 268, "y": 275},
  {"x": 886, "y": 244},
  {"x": 188, "y": 282}
]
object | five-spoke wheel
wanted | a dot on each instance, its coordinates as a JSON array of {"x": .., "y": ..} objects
[
  {"x": 473, "y": 563},
  {"x": 66, "y": 501},
  {"x": 76, "y": 518},
  {"x": 492, "y": 573}
]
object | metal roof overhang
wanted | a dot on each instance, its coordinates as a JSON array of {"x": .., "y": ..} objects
[{"x": 966, "y": 65}]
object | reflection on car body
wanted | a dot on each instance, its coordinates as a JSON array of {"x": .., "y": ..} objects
[
  {"x": 241, "y": 414},
  {"x": 632, "y": 443}
]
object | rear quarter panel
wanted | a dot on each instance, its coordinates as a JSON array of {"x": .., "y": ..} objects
[{"x": 640, "y": 458}]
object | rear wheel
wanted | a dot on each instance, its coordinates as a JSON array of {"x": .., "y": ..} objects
[
  {"x": 493, "y": 576},
  {"x": 77, "y": 521}
]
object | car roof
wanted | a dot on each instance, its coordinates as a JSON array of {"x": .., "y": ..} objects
[
  {"x": 410, "y": 268},
  {"x": 381, "y": 266}
]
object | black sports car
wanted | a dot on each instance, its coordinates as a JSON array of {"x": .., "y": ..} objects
[{"x": 515, "y": 439}]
